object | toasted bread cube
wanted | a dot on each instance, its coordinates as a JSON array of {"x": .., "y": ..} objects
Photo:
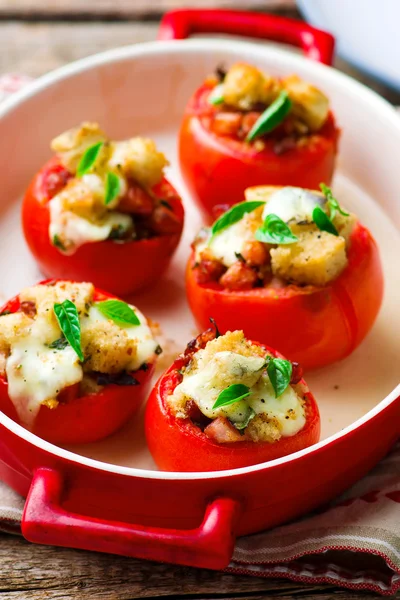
[
  {"x": 45, "y": 296},
  {"x": 245, "y": 86},
  {"x": 263, "y": 429},
  {"x": 107, "y": 347},
  {"x": 316, "y": 259},
  {"x": 77, "y": 197},
  {"x": 231, "y": 341},
  {"x": 12, "y": 328},
  {"x": 139, "y": 158},
  {"x": 309, "y": 103},
  {"x": 71, "y": 145}
]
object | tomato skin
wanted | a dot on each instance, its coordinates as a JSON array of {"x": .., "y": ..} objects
[
  {"x": 121, "y": 268},
  {"x": 178, "y": 445},
  {"x": 309, "y": 325},
  {"x": 85, "y": 419},
  {"x": 217, "y": 169}
]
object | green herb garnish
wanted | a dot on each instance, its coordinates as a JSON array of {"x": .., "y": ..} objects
[
  {"x": 5, "y": 312},
  {"x": 280, "y": 372},
  {"x": 68, "y": 320},
  {"x": 234, "y": 214},
  {"x": 275, "y": 231},
  {"x": 59, "y": 344},
  {"x": 232, "y": 394},
  {"x": 271, "y": 117},
  {"x": 119, "y": 312},
  {"x": 112, "y": 188},
  {"x": 323, "y": 222},
  {"x": 88, "y": 159},
  {"x": 333, "y": 204},
  {"x": 216, "y": 96},
  {"x": 251, "y": 414},
  {"x": 57, "y": 242}
]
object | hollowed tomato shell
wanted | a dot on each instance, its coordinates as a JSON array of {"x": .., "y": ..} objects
[
  {"x": 314, "y": 326},
  {"x": 122, "y": 268},
  {"x": 179, "y": 445},
  {"x": 217, "y": 169},
  {"x": 84, "y": 419}
]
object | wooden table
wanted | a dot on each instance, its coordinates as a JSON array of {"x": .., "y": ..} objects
[{"x": 35, "y": 37}]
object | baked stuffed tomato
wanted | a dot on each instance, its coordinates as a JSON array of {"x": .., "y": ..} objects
[
  {"x": 103, "y": 211},
  {"x": 75, "y": 363},
  {"x": 227, "y": 403},
  {"x": 245, "y": 128},
  {"x": 292, "y": 269}
]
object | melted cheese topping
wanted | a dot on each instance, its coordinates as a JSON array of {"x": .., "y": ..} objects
[
  {"x": 292, "y": 204},
  {"x": 146, "y": 344},
  {"x": 78, "y": 231},
  {"x": 227, "y": 368},
  {"x": 37, "y": 373},
  {"x": 78, "y": 214},
  {"x": 228, "y": 243}
]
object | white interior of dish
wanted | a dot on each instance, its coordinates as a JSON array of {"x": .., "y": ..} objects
[{"x": 142, "y": 91}]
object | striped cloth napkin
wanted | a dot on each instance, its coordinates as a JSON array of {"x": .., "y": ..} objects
[{"x": 354, "y": 542}]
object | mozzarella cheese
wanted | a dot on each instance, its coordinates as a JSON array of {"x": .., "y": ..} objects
[
  {"x": 37, "y": 373},
  {"x": 228, "y": 243},
  {"x": 293, "y": 204},
  {"x": 146, "y": 344},
  {"x": 228, "y": 368},
  {"x": 78, "y": 231}
]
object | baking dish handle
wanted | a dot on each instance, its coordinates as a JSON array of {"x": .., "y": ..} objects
[
  {"x": 209, "y": 546},
  {"x": 316, "y": 44}
]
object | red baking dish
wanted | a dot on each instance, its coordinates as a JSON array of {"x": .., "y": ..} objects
[{"x": 108, "y": 496}]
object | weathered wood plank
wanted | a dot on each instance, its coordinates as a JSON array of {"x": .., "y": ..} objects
[
  {"x": 129, "y": 8},
  {"x": 38, "y": 572},
  {"x": 36, "y": 48}
]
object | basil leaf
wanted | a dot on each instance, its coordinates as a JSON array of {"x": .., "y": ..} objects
[
  {"x": 280, "y": 372},
  {"x": 232, "y": 394},
  {"x": 59, "y": 344},
  {"x": 271, "y": 117},
  {"x": 322, "y": 221},
  {"x": 57, "y": 242},
  {"x": 244, "y": 423},
  {"x": 112, "y": 189},
  {"x": 216, "y": 96},
  {"x": 88, "y": 159},
  {"x": 234, "y": 214},
  {"x": 275, "y": 231},
  {"x": 333, "y": 204},
  {"x": 68, "y": 320},
  {"x": 119, "y": 312}
]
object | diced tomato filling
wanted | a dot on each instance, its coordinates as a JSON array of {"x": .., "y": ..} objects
[
  {"x": 55, "y": 180},
  {"x": 239, "y": 276},
  {"x": 153, "y": 215},
  {"x": 29, "y": 308},
  {"x": 136, "y": 201},
  {"x": 222, "y": 431}
]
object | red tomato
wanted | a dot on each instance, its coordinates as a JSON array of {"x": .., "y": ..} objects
[
  {"x": 314, "y": 326},
  {"x": 179, "y": 445},
  {"x": 218, "y": 168},
  {"x": 121, "y": 267},
  {"x": 83, "y": 419}
]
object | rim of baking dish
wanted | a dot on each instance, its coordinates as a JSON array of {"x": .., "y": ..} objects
[{"x": 194, "y": 46}]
